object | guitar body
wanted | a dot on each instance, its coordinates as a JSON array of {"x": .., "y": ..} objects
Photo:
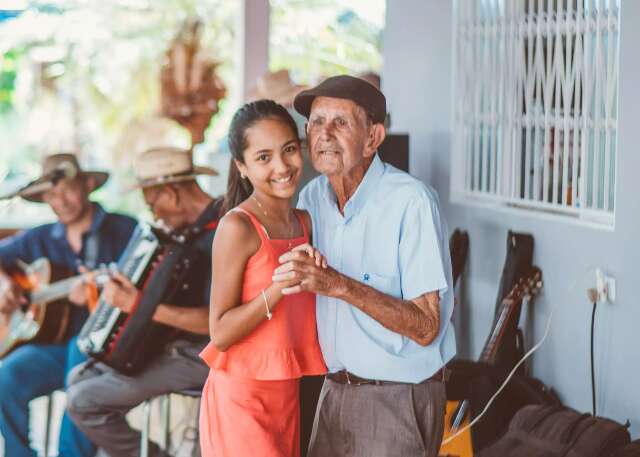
[
  {"x": 38, "y": 322},
  {"x": 461, "y": 445}
]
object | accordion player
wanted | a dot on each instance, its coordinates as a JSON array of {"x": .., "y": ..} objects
[{"x": 164, "y": 268}]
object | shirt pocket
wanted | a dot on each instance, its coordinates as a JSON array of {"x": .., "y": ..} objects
[
  {"x": 387, "y": 284},
  {"x": 392, "y": 342}
]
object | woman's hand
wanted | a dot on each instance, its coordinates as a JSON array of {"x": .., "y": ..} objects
[
  {"x": 308, "y": 273},
  {"x": 304, "y": 252}
]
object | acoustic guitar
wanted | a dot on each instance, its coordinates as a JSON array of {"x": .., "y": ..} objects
[
  {"x": 456, "y": 415},
  {"x": 46, "y": 316}
]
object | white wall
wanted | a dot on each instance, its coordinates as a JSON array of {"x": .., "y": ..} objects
[{"x": 417, "y": 81}]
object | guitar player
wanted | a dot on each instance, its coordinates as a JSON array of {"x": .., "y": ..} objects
[{"x": 84, "y": 234}]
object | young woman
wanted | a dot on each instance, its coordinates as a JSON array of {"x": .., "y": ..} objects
[{"x": 262, "y": 342}]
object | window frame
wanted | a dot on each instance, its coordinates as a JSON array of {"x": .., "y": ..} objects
[{"x": 492, "y": 160}]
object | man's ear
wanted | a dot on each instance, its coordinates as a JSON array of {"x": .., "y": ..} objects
[
  {"x": 174, "y": 193},
  {"x": 377, "y": 134},
  {"x": 89, "y": 183}
]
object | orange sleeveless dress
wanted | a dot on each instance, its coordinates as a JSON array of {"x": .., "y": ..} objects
[{"x": 250, "y": 404}]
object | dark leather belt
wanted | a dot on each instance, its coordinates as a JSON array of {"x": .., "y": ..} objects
[{"x": 344, "y": 377}]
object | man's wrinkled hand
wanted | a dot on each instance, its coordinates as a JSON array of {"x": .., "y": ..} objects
[{"x": 120, "y": 292}]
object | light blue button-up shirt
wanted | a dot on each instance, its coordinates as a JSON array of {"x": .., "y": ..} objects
[{"x": 393, "y": 238}]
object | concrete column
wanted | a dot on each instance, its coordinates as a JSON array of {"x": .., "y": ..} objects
[{"x": 252, "y": 43}]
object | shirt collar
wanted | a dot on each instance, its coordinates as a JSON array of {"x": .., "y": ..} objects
[
  {"x": 59, "y": 230},
  {"x": 364, "y": 190}
]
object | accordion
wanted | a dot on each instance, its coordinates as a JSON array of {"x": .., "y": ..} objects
[{"x": 127, "y": 341}]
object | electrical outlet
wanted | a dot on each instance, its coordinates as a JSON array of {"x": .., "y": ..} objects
[
  {"x": 605, "y": 287},
  {"x": 610, "y": 288}
]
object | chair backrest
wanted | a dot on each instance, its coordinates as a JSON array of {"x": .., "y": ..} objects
[{"x": 459, "y": 249}]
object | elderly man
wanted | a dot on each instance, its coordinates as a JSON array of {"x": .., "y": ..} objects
[
  {"x": 83, "y": 235},
  {"x": 98, "y": 396},
  {"x": 384, "y": 305}
]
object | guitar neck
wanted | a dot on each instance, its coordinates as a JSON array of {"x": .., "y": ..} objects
[
  {"x": 52, "y": 292},
  {"x": 61, "y": 289},
  {"x": 504, "y": 316}
]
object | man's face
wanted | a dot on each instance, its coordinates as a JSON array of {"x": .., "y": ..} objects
[
  {"x": 338, "y": 133},
  {"x": 69, "y": 199},
  {"x": 163, "y": 203}
]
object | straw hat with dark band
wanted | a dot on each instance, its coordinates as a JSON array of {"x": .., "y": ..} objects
[
  {"x": 55, "y": 168},
  {"x": 347, "y": 87},
  {"x": 165, "y": 165}
]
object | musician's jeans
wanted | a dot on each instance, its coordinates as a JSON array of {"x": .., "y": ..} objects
[
  {"x": 99, "y": 397},
  {"x": 29, "y": 372}
]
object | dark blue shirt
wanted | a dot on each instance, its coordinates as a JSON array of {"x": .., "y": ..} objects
[{"x": 111, "y": 232}]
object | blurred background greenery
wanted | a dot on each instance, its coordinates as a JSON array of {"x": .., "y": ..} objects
[{"x": 84, "y": 75}]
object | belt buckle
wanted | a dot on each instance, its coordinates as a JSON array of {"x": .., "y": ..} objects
[{"x": 446, "y": 374}]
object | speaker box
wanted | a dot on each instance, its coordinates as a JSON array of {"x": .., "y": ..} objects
[{"x": 395, "y": 150}]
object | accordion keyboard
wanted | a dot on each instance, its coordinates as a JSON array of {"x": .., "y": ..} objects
[{"x": 141, "y": 251}]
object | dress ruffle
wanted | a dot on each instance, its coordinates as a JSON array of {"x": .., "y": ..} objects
[{"x": 266, "y": 364}]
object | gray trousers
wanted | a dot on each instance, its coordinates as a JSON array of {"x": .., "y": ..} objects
[
  {"x": 398, "y": 420},
  {"x": 98, "y": 398}
]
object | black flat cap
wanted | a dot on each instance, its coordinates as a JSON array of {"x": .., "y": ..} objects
[{"x": 346, "y": 87}]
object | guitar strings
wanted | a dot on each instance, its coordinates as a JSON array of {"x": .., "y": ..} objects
[{"x": 522, "y": 360}]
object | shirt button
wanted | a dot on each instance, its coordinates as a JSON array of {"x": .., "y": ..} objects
[{"x": 366, "y": 276}]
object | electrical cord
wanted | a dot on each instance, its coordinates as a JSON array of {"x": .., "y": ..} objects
[
  {"x": 593, "y": 298},
  {"x": 593, "y": 370},
  {"x": 520, "y": 362}
]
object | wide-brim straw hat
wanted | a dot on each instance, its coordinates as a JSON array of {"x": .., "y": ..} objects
[
  {"x": 276, "y": 86},
  {"x": 166, "y": 165},
  {"x": 54, "y": 168}
]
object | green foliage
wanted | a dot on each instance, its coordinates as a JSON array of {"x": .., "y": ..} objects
[
  {"x": 8, "y": 70},
  {"x": 106, "y": 77},
  {"x": 320, "y": 38},
  {"x": 109, "y": 54}
]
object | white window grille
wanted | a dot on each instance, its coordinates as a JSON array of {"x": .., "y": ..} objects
[{"x": 535, "y": 104}]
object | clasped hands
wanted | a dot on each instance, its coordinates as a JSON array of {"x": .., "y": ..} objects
[{"x": 305, "y": 269}]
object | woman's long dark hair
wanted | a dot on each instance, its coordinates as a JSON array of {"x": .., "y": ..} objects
[{"x": 239, "y": 189}]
